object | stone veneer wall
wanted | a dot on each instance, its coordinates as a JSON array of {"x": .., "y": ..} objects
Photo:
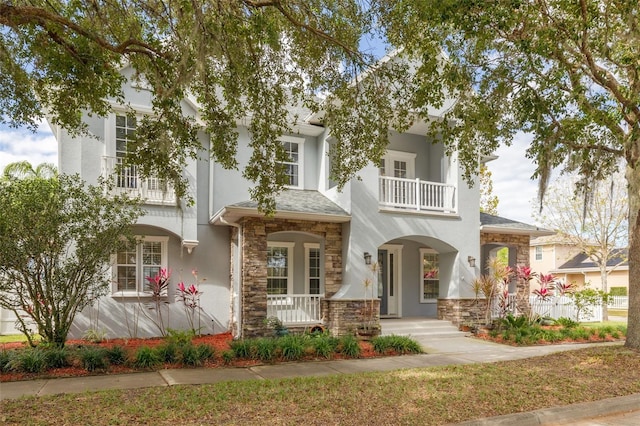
[
  {"x": 521, "y": 243},
  {"x": 460, "y": 311},
  {"x": 344, "y": 316},
  {"x": 254, "y": 271}
]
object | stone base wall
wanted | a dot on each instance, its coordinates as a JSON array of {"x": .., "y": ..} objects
[
  {"x": 344, "y": 316},
  {"x": 462, "y": 311}
]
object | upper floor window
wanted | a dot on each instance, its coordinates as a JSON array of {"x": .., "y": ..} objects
[
  {"x": 538, "y": 252},
  {"x": 125, "y": 128},
  {"x": 137, "y": 261},
  {"x": 294, "y": 148}
]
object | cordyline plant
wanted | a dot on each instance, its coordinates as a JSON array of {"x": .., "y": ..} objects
[
  {"x": 157, "y": 287},
  {"x": 56, "y": 239},
  {"x": 191, "y": 300}
]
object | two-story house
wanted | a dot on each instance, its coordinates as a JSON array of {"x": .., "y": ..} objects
[{"x": 406, "y": 234}]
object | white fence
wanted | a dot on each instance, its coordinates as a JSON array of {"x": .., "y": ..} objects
[
  {"x": 294, "y": 308},
  {"x": 554, "y": 307},
  {"x": 417, "y": 194},
  {"x": 619, "y": 302}
]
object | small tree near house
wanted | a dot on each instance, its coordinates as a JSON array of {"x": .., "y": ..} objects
[{"x": 56, "y": 238}]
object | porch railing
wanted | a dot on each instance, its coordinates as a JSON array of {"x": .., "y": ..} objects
[
  {"x": 416, "y": 194},
  {"x": 126, "y": 180},
  {"x": 295, "y": 308},
  {"x": 619, "y": 302}
]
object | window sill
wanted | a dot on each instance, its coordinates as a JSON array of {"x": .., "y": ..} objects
[
  {"x": 425, "y": 301},
  {"x": 136, "y": 295}
]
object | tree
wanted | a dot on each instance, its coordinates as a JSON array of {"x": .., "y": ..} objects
[
  {"x": 56, "y": 238},
  {"x": 239, "y": 60},
  {"x": 488, "y": 200},
  {"x": 596, "y": 226},
  {"x": 566, "y": 71},
  {"x": 23, "y": 169}
]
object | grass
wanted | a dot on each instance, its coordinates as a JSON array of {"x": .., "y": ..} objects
[
  {"x": 11, "y": 338},
  {"x": 428, "y": 396}
]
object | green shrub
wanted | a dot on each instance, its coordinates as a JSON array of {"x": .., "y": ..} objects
[
  {"x": 180, "y": 337},
  {"x": 291, "y": 347},
  {"x": 196, "y": 355},
  {"x": 266, "y": 349},
  {"x": 205, "y": 351},
  {"x": 241, "y": 348},
  {"x": 57, "y": 357},
  {"x": 93, "y": 358},
  {"x": 567, "y": 322},
  {"x": 579, "y": 333},
  {"x": 116, "y": 355},
  {"x": 146, "y": 357},
  {"x": 618, "y": 291},
  {"x": 513, "y": 322},
  {"x": 228, "y": 356},
  {"x": 30, "y": 360},
  {"x": 324, "y": 345},
  {"x": 349, "y": 346},
  {"x": 399, "y": 344},
  {"x": 168, "y": 352},
  {"x": 5, "y": 360}
]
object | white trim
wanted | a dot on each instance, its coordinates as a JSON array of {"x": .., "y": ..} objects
[
  {"x": 535, "y": 253},
  {"x": 140, "y": 280},
  {"x": 407, "y": 157},
  {"x": 397, "y": 250},
  {"x": 422, "y": 252},
  {"x": 307, "y": 277},
  {"x": 300, "y": 162},
  {"x": 290, "y": 255}
]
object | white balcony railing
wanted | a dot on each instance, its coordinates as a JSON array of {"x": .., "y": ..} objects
[
  {"x": 416, "y": 194},
  {"x": 294, "y": 308},
  {"x": 126, "y": 180}
]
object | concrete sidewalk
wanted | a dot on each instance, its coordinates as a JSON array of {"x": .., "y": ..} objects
[{"x": 440, "y": 351}]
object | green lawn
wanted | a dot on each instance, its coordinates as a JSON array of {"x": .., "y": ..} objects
[
  {"x": 429, "y": 396},
  {"x": 10, "y": 338}
]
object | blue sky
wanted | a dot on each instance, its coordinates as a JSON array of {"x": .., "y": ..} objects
[{"x": 511, "y": 171}]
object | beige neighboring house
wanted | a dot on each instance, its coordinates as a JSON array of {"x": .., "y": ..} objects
[{"x": 556, "y": 255}]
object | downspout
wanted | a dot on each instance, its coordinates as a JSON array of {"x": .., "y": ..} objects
[{"x": 236, "y": 289}]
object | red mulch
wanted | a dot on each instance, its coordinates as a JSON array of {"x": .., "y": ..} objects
[
  {"x": 592, "y": 339},
  {"x": 220, "y": 342}
]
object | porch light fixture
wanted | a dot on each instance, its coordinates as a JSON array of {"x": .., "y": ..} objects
[
  {"x": 367, "y": 258},
  {"x": 472, "y": 261}
]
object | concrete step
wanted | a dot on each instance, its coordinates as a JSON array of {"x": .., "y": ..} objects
[{"x": 419, "y": 327}]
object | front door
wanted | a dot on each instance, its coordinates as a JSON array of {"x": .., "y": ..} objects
[{"x": 389, "y": 280}]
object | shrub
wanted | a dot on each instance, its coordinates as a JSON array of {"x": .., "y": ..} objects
[
  {"x": 291, "y": 346},
  {"x": 349, "y": 346},
  {"x": 57, "y": 357},
  {"x": 116, "y": 355},
  {"x": 93, "y": 358},
  {"x": 168, "y": 352},
  {"x": 241, "y": 348},
  {"x": 399, "y": 344},
  {"x": 324, "y": 345},
  {"x": 266, "y": 349},
  {"x": 30, "y": 360},
  {"x": 5, "y": 360},
  {"x": 196, "y": 355},
  {"x": 94, "y": 335},
  {"x": 618, "y": 291},
  {"x": 180, "y": 337},
  {"x": 146, "y": 357},
  {"x": 567, "y": 322},
  {"x": 228, "y": 356}
]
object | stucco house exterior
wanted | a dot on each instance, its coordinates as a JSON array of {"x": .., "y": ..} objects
[{"x": 412, "y": 215}]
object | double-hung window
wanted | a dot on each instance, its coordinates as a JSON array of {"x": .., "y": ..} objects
[
  {"x": 137, "y": 261},
  {"x": 312, "y": 257},
  {"x": 125, "y": 128},
  {"x": 293, "y": 167},
  {"x": 279, "y": 268},
  {"x": 538, "y": 252}
]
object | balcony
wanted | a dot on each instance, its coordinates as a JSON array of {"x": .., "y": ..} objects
[
  {"x": 295, "y": 309},
  {"x": 127, "y": 181},
  {"x": 417, "y": 195}
]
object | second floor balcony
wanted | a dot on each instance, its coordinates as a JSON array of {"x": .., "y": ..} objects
[
  {"x": 126, "y": 180},
  {"x": 416, "y": 195}
]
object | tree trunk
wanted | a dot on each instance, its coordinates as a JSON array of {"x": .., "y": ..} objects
[
  {"x": 633, "y": 326},
  {"x": 605, "y": 288}
]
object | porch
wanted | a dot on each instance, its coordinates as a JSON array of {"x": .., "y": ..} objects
[
  {"x": 295, "y": 309},
  {"x": 417, "y": 195}
]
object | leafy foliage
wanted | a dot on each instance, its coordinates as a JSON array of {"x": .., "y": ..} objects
[
  {"x": 93, "y": 358},
  {"x": 146, "y": 358},
  {"x": 56, "y": 238},
  {"x": 399, "y": 344}
]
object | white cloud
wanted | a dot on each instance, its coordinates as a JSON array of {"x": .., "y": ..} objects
[
  {"x": 511, "y": 174},
  {"x": 22, "y": 144}
]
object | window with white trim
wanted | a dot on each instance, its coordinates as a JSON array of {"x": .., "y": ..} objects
[
  {"x": 294, "y": 149},
  {"x": 125, "y": 128},
  {"x": 279, "y": 267},
  {"x": 399, "y": 164},
  {"x": 538, "y": 252},
  {"x": 429, "y": 276},
  {"x": 312, "y": 261},
  {"x": 137, "y": 261}
]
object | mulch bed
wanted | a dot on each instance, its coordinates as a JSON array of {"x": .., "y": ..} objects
[{"x": 220, "y": 342}]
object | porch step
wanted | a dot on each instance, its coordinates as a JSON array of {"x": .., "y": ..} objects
[{"x": 419, "y": 327}]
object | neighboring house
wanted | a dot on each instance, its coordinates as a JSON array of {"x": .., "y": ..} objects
[
  {"x": 413, "y": 215},
  {"x": 548, "y": 252},
  {"x": 582, "y": 270}
]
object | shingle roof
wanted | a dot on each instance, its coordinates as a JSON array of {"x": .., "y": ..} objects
[
  {"x": 582, "y": 261},
  {"x": 496, "y": 224},
  {"x": 300, "y": 201}
]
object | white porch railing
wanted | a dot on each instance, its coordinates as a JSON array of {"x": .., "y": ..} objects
[
  {"x": 417, "y": 194},
  {"x": 295, "y": 308},
  {"x": 127, "y": 181}
]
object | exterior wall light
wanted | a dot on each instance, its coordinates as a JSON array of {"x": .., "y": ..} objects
[
  {"x": 367, "y": 258},
  {"x": 472, "y": 261}
]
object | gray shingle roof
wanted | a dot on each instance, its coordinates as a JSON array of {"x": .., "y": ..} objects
[
  {"x": 582, "y": 261},
  {"x": 491, "y": 223},
  {"x": 300, "y": 201}
]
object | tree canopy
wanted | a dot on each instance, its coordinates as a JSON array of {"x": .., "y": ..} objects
[{"x": 56, "y": 239}]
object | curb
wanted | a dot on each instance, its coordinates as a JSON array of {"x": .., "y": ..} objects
[{"x": 564, "y": 415}]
